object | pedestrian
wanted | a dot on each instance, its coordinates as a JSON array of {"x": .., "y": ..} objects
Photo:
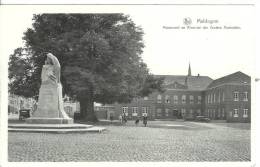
[
  {"x": 137, "y": 121},
  {"x": 120, "y": 118},
  {"x": 145, "y": 119},
  {"x": 124, "y": 118},
  {"x": 111, "y": 117}
]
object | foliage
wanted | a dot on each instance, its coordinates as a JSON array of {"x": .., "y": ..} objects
[{"x": 99, "y": 55}]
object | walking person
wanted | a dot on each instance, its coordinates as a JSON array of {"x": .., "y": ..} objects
[
  {"x": 111, "y": 117},
  {"x": 124, "y": 118},
  {"x": 145, "y": 119},
  {"x": 137, "y": 121}
]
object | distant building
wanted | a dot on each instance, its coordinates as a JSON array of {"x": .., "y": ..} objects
[
  {"x": 186, "y": 97},
  {"x": 229, "y": 98},
  {"x": 15, "y": 103}
]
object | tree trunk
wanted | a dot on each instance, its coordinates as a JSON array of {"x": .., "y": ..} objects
[{"x": 87, "y": 108}]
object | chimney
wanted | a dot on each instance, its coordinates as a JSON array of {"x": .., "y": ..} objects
[{"x": 198, "y": 75}]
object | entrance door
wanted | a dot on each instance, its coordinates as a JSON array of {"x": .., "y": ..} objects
[{"x": 175, "y": 113}]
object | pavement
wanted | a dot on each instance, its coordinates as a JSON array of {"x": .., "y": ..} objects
[{"x": 177, "y": 141}]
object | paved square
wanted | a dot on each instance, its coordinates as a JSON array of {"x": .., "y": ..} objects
[{"x": 160, "y": 141}]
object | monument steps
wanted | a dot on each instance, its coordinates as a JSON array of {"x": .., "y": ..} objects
[
  {"x": 50, "y": 126},
  {"x": 55, "y": 128}
]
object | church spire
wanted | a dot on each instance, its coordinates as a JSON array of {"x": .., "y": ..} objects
[{"x": 189, "y": 72}]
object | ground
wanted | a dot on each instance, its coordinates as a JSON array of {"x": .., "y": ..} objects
[{"x": 160, "y": 141}]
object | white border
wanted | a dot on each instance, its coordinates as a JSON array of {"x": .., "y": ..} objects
[{"x": 97, "y": 9}]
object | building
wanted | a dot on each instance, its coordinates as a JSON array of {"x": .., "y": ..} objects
[
  {"x": 229, "y": 98},
  {"x": 187, "y": 96},
  {"x": 15, "y": 103}
]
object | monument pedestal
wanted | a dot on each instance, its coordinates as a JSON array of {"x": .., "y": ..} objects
[
  {"x": 50, "y": 106},
  {"x": 39, "y": 120}
]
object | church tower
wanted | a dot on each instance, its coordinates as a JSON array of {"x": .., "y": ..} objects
[{"x": 189, "y": 71}]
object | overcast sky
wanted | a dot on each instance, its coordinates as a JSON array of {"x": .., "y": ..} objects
[{"x": 211, "y": 52}]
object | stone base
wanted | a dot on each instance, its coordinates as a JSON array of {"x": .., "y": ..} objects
[
  {"x": 49, "y": 120},
  {"x": 54, "y": 128}
]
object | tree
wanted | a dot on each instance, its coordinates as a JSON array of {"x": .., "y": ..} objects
[
  {"x": 99, "y": 56},
  {"x": 20, "y": 74}
]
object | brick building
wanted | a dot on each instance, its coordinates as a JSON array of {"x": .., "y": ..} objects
[
  {"x": 229, "y": 98},
  {"x": 188, "y": 96}
]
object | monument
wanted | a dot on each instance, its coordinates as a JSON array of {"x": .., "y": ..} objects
[{"x": 50, "y": 103}]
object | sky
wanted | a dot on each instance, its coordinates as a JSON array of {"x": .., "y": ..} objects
[{"x": 168, "y": 50}]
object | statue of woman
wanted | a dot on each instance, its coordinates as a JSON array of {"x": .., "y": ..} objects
[{"x": 51, "y": 70}]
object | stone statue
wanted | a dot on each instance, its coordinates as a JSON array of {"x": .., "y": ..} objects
[
  {"x": 51, "y": 70},
  {"x": 50, "y": 105}
]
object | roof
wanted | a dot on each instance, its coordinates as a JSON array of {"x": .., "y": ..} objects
[
  {"x": 193, "y": 82},
  {"x": 235, "y": 78}
]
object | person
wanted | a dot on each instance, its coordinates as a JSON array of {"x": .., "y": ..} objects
[
  {"x": 120, "y": 119},
  {"x": 124, "y": 118},
  {"x": 111, "y": 117},
  {"x": 145, "y": 119},
  {"x": 137, "y": 121}
]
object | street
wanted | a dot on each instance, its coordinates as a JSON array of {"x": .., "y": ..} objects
[{"x": 160, "y": 141}]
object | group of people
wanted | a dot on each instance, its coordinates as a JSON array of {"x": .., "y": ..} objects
[{"x": 123, "y": 119}]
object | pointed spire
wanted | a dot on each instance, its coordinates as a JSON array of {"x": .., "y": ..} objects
[{"x": 189, "y": 72}]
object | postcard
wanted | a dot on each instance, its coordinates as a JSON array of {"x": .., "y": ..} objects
[{"x": 128, "y": 84}]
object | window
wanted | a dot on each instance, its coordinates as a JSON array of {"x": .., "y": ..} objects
[
  {"x": 125, "y": 110},
  {"x": 245, "y": 113},
  {"x": 214, "y": 98},
  {"x": 167, "y": 99},
  {"x": 175, "y": 98},
  {"x": 134, "y": 111},
  {"x": 245, "y": 96},
  {"x": 219, "y": 113},
  {"x": 236, "y": 98},
  {"x": 223, "y": 112},
  {"x": 68, "y": 109},
  {"x": 219, "y": 97},
  {"x": 159, "y": 112},
  {"x": 159, "y": 99},
  {"x": 208, "y": 99},
  {"x": 230, "y": 114},
  {"x": 166, "y": 112},
  {"x": 235, "y": 112},
  {"x": 145, "y": 110},
  {"x": 183, "y": 98},
  {"x": 223, "y": 97},
  {"x": 146, "y": 98},
  {"x": 183, "y": 111},
  {"x": 199, "y": 99},
  {"x": 199, "y": 112},
  {"x": 211, "y": 98},
  {"x": 191, "y": 111},
  {"x": 191, "y": 99}
]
